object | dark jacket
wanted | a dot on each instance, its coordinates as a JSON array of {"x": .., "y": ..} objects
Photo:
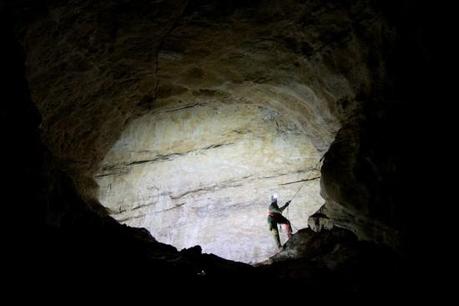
[{"x": 274, "y": 208}]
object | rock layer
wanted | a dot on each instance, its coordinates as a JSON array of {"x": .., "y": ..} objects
[{"x": 203, "y": 174}]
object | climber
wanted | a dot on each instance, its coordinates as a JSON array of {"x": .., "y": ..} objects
[{"x": 275, "y": 217}]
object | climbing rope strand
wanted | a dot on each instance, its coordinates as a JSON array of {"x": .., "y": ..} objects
[
  {"x": 305, "y": 181},
  {"x": 301, "y": 187}
]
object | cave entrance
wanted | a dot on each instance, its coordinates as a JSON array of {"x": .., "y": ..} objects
[{"x": 202, "y": 172}]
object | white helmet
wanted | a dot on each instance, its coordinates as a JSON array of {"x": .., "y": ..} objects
[{"x": 274, "y": 197}]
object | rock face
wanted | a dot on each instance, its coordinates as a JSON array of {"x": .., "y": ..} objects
[
  {"x": 93, "y": 67},
  {"x": 62, "y": 236},
  {"x": 146, "y": 96},
  {"x": 234, "y": 120},
  {"x": 364, "y": 61},
  {"x": 204, "y": 173}
]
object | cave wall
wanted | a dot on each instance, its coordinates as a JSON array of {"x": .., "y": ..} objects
[
  {"x": 204, "y": 175},
  {"x": 97, "y": 66},
  {"x": 372, "y": 178},
  {"x": 63, "y": 242},
  {"x": 93, "y": 67}
]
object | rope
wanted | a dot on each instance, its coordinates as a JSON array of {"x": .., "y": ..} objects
[
  {"x": 301, "y": 187},
  {"x": 288, "y": 207},
  {"x": 316, "y": 166}
]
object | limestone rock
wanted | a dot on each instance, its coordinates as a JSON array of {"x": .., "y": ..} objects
[
  {"x": 134, "y": 92},
  {"x": 204, "y": 175},
  {"x": 319, "y": 221}
]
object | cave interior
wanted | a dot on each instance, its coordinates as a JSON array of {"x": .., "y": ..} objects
[{"x": 146, "y": 139}]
